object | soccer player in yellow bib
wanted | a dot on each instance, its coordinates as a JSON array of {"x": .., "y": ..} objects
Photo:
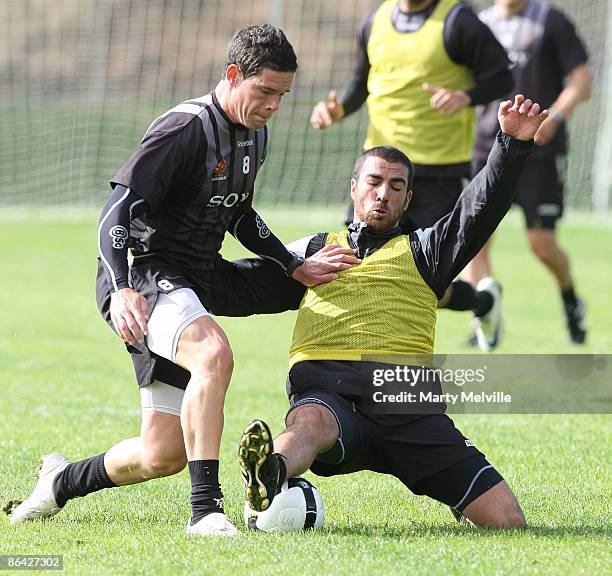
[
  {"x": 386, "y": 305},
  {"x": 422, "y": 66}
]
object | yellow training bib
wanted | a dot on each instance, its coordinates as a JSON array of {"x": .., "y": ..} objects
[
  {"x": 381, "y": 306},
  {"x": 398, "y": 106}
]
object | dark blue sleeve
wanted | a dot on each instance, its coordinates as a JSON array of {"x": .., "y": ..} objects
[
  {"x": 253, "y": 233},
  {"x": 113, "y": 234},
  {"x": 356, "y": 93}
]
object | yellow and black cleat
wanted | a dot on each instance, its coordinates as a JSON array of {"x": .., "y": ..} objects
[{"x": 259, "y": 465}]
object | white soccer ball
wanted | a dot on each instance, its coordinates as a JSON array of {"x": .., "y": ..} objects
[{"x": 298, "y": 506}]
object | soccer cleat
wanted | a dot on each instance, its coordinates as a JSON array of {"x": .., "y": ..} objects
[
  {"x": 487, "y": 328},
  {"x": 259, "y": 464},
  {"x": 576, "y": 325},
  {"x": 215, "y": 524},
  {"x": 41, "y": 503},
  {"x": 472, "y": 341}
]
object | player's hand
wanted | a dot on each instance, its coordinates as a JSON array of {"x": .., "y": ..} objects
[
  {"x": 324, "y": 114},
  {"x": 324, "y": 265},
  {"x": 130, "y": 313},
  {"x": 447, "y": 101},
  {"x": 521, "y": 119}
]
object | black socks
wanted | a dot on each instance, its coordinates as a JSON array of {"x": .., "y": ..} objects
[
  {"x": 465, "y": 297},
  {"x": 89, "y": 475},
  {"x": 569, "y": 297},
  {"x": 483, "y": 303},
  {"x": 206, "y": 495},
  {"x": 282, "y": 471},
  {"x": 81, "y": 478}
]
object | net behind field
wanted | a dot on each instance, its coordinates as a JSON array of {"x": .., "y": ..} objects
[{"x": 80, "y": 81}]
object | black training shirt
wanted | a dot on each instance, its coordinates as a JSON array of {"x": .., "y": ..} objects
[
  {"x": 544, "y": 48},
  {"x": 196, "y": 172}
]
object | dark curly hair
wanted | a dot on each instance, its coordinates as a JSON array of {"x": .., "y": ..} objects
[{"x": 263, "y": 46}]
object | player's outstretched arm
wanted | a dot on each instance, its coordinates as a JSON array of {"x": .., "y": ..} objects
[
  {"x": 321, "y": 267},
  {"x": 521, "y": 119},
  {"x": 577, "y": 89},
  {"x": 457, "y": 237}
]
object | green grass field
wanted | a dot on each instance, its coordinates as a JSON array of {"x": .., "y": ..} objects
[{"x": 66, "y": 385}]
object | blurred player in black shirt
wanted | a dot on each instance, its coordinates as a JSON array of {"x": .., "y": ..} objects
[
  {"x": 549, "y": 64},
  {"x": 191, "y": 180}
]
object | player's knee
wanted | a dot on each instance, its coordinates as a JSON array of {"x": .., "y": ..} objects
[
  {"x": 203, "y": 348},
  {"x": 542, "y": 251},
  {"x": 215, "y": 356},
  {"x": 543, "y": 246},
  {"x": 511, "y": 517},
  {"x": 516, "y": 519},
  {"x": 502, "y": 515},
  {"x": 220, "y": 355},
  {"x": 316, "y": 422},
  {"x": 157, "y": 463},
  {"x": 496, "y": 508}
]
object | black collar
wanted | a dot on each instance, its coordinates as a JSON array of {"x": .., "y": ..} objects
[
  {"x": 225, "y": 116},
  {"x": 366, "y": 241}
]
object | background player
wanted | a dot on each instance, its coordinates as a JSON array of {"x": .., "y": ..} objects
[
  {"x": 191, "y": 180},
  {"x": 422, "y": 66},
  {"x": 549, "y": 63},
  {"x": 401, "y": 277}
]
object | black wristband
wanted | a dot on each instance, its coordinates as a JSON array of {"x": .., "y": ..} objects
[{"x": 295, "y": 262}]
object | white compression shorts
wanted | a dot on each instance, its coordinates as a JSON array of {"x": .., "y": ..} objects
[
  {"x": 160, "y": 397},
  {"x": 172, "y": 313}
]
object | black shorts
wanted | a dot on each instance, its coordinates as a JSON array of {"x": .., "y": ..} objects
[
  {"x": 427, "y": 454},
  {"x": 540, "y": 192},
  {"x": 432, "y": 198},
  {"x": 239, "y": 288},
  {"x": 146, "y": 279}
]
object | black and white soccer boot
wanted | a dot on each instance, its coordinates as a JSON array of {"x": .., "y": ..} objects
[
  {"x": 576, "y": 325},
  {"x": 260, "y": 466},
  {"x": 488, "y": 328},
  {"x": 41, "y": 503},
  {"x": 471, "y": 341}
]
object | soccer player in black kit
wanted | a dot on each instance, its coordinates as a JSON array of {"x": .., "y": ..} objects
[
  {"x": 191, "y": 180},
  {"x": 550, "y": 64}
]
